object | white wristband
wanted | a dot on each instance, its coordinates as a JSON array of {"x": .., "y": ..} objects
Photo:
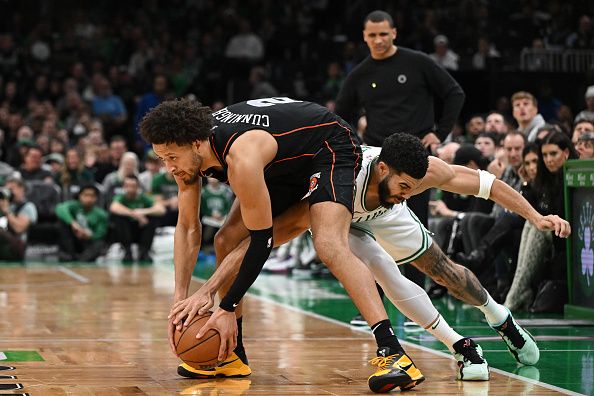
[{"x": 486, "y": 180}]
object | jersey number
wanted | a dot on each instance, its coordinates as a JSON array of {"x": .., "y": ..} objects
[{"x": 271, "y": 101}]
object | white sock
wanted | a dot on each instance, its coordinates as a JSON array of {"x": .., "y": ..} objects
[
  {"x": 441, "y": 330},
  {"x": 495, "y": 313},
  {"x": 407, "y": 296}
]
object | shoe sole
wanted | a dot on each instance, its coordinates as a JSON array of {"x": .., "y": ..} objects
[
  {"x": 188, "y": 374},
  {"x": 388, "y": 386}
]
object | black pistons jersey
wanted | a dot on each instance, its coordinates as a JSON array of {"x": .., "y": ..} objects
[{"x": 301, "y": 130}]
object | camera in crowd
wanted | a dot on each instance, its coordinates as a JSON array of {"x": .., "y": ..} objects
[{"x": 5, "y": 193}]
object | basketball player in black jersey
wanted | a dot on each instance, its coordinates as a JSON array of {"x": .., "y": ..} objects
[{"x": 274, "y": 153}]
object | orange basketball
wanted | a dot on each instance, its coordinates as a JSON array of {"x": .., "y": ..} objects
[{"x": 198, "y": 353}]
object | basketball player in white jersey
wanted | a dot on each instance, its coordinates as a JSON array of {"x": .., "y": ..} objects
[{"x": 384, "y": 232}]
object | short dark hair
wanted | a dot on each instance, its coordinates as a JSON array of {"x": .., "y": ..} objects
[
  {"x": 132, "y": 177},
  {"x": 405, "y": 154},
  {"x": 179, "y": 121},
  {"x": 378, "y": 16}
]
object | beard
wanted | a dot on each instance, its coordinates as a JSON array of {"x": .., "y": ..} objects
[{"x": 384, "y": 193}]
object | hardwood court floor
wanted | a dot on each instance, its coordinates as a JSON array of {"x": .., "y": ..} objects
[{"x": 101, "y": 330}]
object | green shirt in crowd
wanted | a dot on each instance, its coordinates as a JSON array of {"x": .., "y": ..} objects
[
  {"x": 141, "y": 201},
  {"x": 217, "y": 200},
  {"x": 94, "y": 220},
  {"x": 163, "y": 185}
]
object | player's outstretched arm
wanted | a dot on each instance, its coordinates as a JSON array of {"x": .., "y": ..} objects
[{"x": 463, "y": 180}]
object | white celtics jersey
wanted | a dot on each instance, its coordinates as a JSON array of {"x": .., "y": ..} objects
[{"x": 361, "y": 213}]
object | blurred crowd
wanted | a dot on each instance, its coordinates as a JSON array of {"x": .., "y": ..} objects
[{"x": 76, "y": 82}]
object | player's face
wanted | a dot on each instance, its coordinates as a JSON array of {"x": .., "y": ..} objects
[
  {"x": 553, "y": 157},
  {"x": 183, "y": 162},
  {"x": 396, "y": 188},
  {"x": 379, "y": 37}
]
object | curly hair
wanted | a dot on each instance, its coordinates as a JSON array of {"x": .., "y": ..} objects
[
  {"x": 179, "y": 121},
  {"x": 405, "y": 154}
]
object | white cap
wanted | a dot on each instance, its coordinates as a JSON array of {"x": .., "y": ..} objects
[
  {"x": 440, "y": 39},
  {"x": 590, "y": 92}
]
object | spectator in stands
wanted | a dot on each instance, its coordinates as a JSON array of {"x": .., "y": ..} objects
[
  {"x": 588, "y": 112},
  {"x": 447, "y": 152},
  {"x": 261, "y": 88},
  {"x": 32, "y": 166},
  {"x": 581, "y": 127},
  {"x": 215, "y": 204},
  {"x": 83, "y": 226},
  {"x": 17, "y": 216},
  {"x": 148, "y": 101},
  {"x": 444, "y": 56},
  {"x": 525, "y": 110},
  {"x": 55, "y": 161},
  {"x": 484, "y": 235},
  {"x": 134, "y": 218},
  {"x": 74, "y": 174},
  {"x": 474, "y": 126},
  {"x": 583, "y": 38},
  {"x": 486, "y": 143},
  {"x": 128, "y": 167},
  {"x": 152, "y": 167},
  {"x": 334, "y": 80},
  {"x": 245, "y": 45},
  {"x": 108, "y": 107},
  {"x": 585, "y": 146},
  {"x": 104, "y": 166},
  {"x": 485, "y": 50},
  {"x": 164, "y": 190},
  {"x": 555, "y": 149}
]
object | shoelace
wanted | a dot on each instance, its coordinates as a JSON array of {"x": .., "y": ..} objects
[
  {"x": 471, "y": 355},
  {"x": 513, "y": 334},
  {"x": 383, "y": 362}
]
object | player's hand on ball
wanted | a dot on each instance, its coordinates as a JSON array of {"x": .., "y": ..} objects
[
  {"x": 198, "y": 303},
  {"x": 554, "y": 223},
  {"x": 170, "y": 335},
  {"x": 225, "y": 324}
]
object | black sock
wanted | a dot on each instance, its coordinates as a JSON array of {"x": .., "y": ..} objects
[
  {"x": 239, "y": 350},
  {"x": 384, "y": 336}
]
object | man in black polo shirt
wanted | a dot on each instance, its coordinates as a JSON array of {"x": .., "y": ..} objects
[{"x": 396, "y": 87}]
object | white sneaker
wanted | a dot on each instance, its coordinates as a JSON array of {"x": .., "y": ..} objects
[{"x": 472, "y": 366}]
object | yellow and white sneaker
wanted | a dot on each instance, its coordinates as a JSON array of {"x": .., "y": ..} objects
[
  {"x": 393, "y": 371},
  {"x": 232, "y": 367}
]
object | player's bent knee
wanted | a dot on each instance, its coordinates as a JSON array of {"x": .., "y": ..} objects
[{"x": 329, "y": 250}]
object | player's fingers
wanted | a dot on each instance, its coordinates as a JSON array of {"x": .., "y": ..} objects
[
  {"x": 191, "y": 315},
  {"x": 207, "y": 326},
  {"x": 223, "y": 349},
  {"x": 205, "y": 307},
  {"x": 170, "y": 333},
  {"x": 176, "y": 309}
]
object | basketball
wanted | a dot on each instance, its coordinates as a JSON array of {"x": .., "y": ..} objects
[{"x": 202, "y": 353}]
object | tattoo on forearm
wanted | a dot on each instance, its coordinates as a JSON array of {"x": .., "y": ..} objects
[{"x": 459, "y": 280}]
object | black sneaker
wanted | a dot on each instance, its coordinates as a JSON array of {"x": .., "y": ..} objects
[{"x": 472, "y": 366}]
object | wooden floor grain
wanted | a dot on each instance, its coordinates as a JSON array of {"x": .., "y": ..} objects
[{"x": 102, "y": 331}]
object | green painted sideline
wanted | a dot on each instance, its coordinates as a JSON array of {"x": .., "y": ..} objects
[{"x": 20, "y": 356}]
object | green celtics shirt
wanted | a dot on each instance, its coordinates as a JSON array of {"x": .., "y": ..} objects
[{"x": 94, "y": 220}]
